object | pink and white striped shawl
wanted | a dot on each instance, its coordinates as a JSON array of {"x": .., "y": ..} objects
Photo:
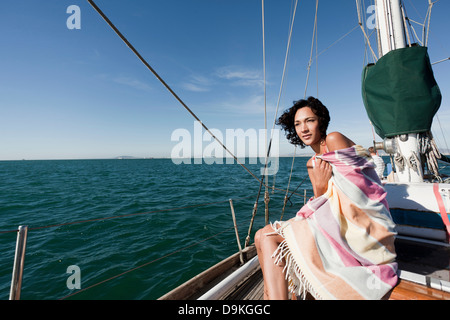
[{"x": 341, "y": 244}]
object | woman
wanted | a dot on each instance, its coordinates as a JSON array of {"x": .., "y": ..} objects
[{"x": 305, "y": 124}]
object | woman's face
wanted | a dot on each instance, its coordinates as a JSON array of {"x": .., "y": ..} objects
[{"x": 307, "y": 126}]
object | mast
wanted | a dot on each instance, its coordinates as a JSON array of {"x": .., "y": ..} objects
[
  {"x": 390, "y": 25},
  {"x": 391, "y": 36}
]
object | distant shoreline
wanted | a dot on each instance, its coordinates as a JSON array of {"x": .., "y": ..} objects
[
  {"x": 145, "y": 158},
  {"x": 156, "y": 158}
]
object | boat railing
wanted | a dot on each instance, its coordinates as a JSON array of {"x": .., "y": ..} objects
[
  {"x": 22, "y": 235},
  {"x": 19, "y": 261}
]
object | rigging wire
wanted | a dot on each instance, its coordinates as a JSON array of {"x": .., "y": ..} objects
[
  {"x": 132, "y": 214},
  {"x": 443, "y": 60},
  {"x": 285, "y": 65},
  {"x": 314, "y": 40},
  {"x": 317, "y": 60},
  {"x": 312, "y": 47},
  {"x": 147, "y": 263},
  {"x": 430, "y": 7},
  {"x": 286, "y": 58},
  {"x": 123, "y": 215},
  {"x": 360, "y": 23},
  {"x": 425, "y": 25},
  {"x": 91, "y": 2},
  {"x": 266, "y": 196},
  {"x": 335, "y": 42},
  {"x": 442, "y": 132},
  {"x": 264, "y": 71},
  {"x": 289, "y": 183},
  {"x": 255, "y": 207}
]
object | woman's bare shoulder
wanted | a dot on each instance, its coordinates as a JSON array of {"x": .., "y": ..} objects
[{"x": 336, "y": 141}]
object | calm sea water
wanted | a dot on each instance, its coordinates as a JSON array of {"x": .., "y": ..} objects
[{"x": 158, "y": 208}]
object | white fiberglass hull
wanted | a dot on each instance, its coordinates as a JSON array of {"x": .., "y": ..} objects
[{"x": 416, "y": 209}]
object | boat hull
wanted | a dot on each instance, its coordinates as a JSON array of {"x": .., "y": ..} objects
[{"x": 416, "y": 211}]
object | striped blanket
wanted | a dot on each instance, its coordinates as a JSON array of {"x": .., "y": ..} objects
[{"x": 341, "y": 245}]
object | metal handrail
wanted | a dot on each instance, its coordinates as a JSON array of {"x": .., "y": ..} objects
[{"x": 19, "y": 259}]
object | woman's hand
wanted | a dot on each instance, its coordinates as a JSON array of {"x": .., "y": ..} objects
[
  {"x": 319, "y": 176},
  {"x": 321, "y": 172}
]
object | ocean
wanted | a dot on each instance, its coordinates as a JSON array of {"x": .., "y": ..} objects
[{"x": 133, "y": 228}]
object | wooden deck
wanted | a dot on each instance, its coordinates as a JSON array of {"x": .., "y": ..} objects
[
  {"x": 426, "y": 259},
  {"x": 252, "y": 289},
  {"x": 407, "y": 290}
]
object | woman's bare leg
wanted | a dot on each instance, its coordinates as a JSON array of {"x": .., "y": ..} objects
[{"x": 275, "y": 284}]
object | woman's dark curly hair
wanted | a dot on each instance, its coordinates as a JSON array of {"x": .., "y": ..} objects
[{"x": 286, "y": 120}]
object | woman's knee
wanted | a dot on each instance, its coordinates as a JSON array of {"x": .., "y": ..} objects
[
  {"x": 258, "y": 236},
  {"x": 261, "y": 235}
]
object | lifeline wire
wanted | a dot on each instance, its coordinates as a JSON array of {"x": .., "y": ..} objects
[{"x": 146, "y": 264}]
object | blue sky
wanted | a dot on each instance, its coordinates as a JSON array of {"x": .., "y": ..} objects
[{"x": 81, "y": 93}]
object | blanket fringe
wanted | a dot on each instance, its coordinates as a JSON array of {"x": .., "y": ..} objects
[{"x": 297, "y": 283}]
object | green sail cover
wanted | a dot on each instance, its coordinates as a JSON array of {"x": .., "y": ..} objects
[{"x": 400, "y": 93}]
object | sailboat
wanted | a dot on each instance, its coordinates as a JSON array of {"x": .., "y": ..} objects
[
  {"x": 401, "y": 98},
  {"x": 418, "y": 195}
]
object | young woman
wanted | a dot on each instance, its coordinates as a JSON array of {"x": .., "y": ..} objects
[{"x": 305, "y": 124}]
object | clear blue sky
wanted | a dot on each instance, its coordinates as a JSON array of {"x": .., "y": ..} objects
[{"x": 81, "y": 93}]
